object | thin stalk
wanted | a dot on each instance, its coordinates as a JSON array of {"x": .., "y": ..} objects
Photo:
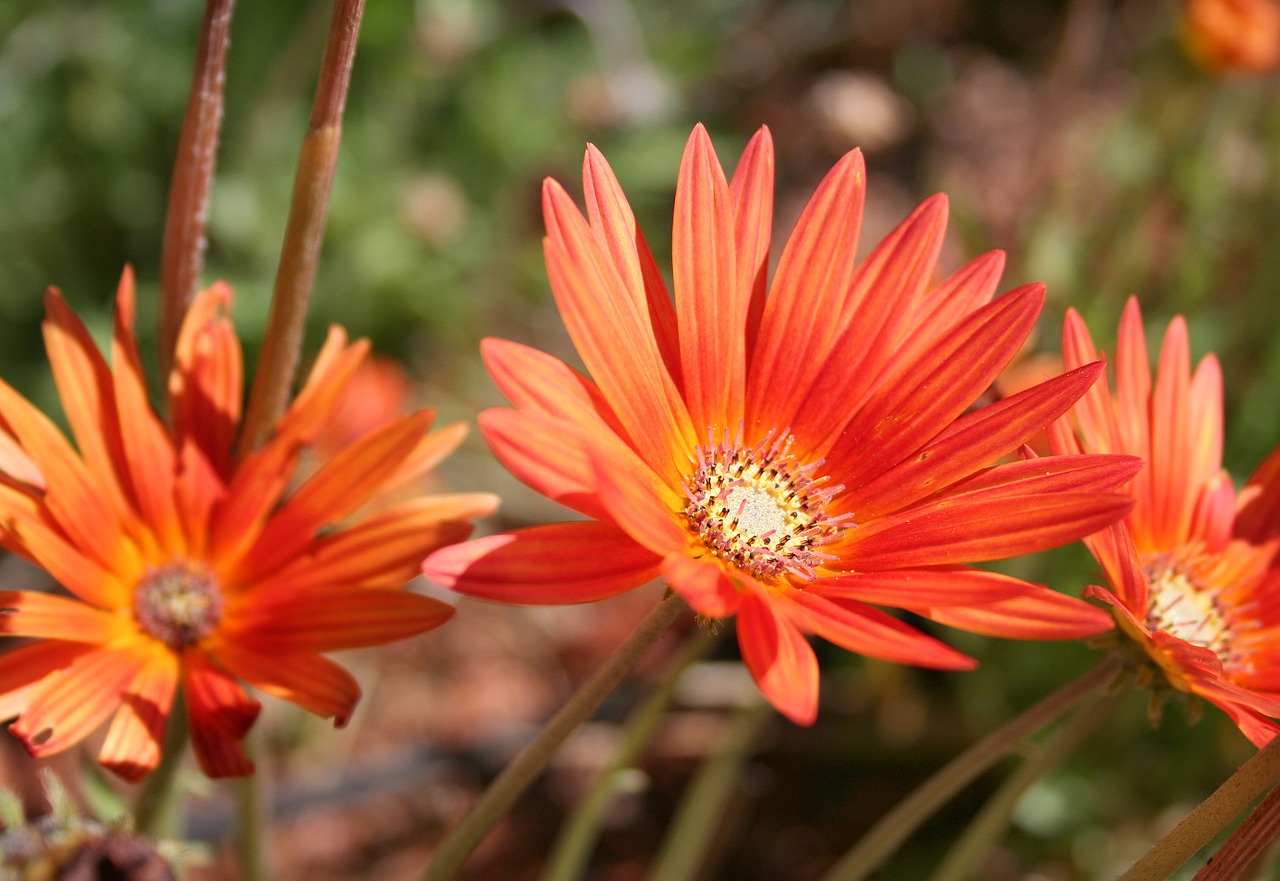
[
  {"x": 692, "y": 829},
  {"x": 182, "y": 256},
  {"x": 1249, "y": 842},
  {"x": 304, "y": 231},
  {"x": 992, "y": 820},
  {"x": 251, "y": 820},
  {"x": 897, "y": 826},
  {"x": 572, "y": 850},
  {"x": 507, "y": 787},
  {"x": 156, "y": 810},
  {"x": 1196, "y": 829}
]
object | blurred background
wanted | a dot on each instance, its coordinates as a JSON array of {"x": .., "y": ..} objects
[{"x": 1111, "y": 147}]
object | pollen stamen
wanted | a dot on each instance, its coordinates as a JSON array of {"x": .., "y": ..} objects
[
  {"x": 178, "y": 603},
  {"x": 1179, "y": 605},
  {"x": 759, "y": 509}
]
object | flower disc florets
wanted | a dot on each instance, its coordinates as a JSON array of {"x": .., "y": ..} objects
[
  {"x": 758, "y": 508},
  {"x": 1178, "y": 604},
  {"x": 178, "y": 603}
]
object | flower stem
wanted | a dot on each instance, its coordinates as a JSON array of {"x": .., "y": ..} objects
[
  {"x": 156, "y": 810},
  {"x": 182, "y": 257},
  {"x": 692, "y": 831},
  {"x": 250, "y": 822},
  {"x": 895, "y": 827},
  {"x": 503, "y": 792},
  {"x": 572, "y": 849},
  {"x": 991, "y": 821},
  {"x": 1247, "y": 843},
  {"x": 304, "y": 230},
  {"x": 1196, "y": 829}
]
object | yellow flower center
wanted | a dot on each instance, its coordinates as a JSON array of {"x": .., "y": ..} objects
[
  {"x": 178, "y": 603},
  {"x": 1180, "y": 605},
  {"x": 759, "y": 508}
]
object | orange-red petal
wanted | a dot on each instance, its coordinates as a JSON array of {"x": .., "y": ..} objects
[
  {"x": 132, "y": 746},
  {"x": 703, "y": 584},
  {"x": 779, "y": 658},
  {"x": 219, "y": 713}
]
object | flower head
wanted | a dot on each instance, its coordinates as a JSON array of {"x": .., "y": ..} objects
[
  {"x": 1232, "y": 36},
  {"x": 1190, "y": 567},
  {"x": 190, "y": 566},
  {"x": 789, "y": 457}
]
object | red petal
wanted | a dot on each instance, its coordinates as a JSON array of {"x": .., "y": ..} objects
[
  {"x": 28, "y": 613},
  {"x": 779, "y": 658},
  {"x": 132, "y": 747},
  {"x": 710, "y": 304},
  {"x": 70, "y": 703},
  {"x": 219, "y": 713},
  {"x": 624, "y": 246},
  {"x": 331, "y": 618},
  {"x": 967, "y": 289},
  {"x": 923, "y": 397},
  {"x": 971, "y": 443},
  {"x": 751, "y": 197},
  {"x": 22, "y": 668},
  {"x": 546, "y": 565},
  {"x": 1037, "y": 614},
  {"x": 544, "y": 453},
  {"x": 813, "y": 277},
  {"x": 911, "y": 588},
  {"x": 703, "y": 584},
  {"x": 870, "y": 632},
  {"x": 613, "y": 337},
  {"x": 637, "y": 501},
  {"x": 312, "y": 682}
]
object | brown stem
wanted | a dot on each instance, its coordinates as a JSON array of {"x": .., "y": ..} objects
[
  {"x": 182, "y": 256},
  {"x": 304, "y": 231},
  {"x": 1196, "y": 829},
  {"x": 1246, "y": 844}
]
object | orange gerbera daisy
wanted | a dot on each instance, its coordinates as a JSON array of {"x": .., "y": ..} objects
[
  {"x": 1190, "y": 567},
  {"x": 787, "y": 458},
  {"x": 190, "y": 566}
]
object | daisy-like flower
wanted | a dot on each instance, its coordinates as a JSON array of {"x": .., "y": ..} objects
[
  {"x": 786, "y": 458},
  {"x": 189, "y": 566},
  {"x": 1190, "y": 567}
]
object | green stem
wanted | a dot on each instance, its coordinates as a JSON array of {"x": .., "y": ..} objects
[
  {"x": 1247, "y": 844},
  {"x": 692, "y": 829},
  {"x": 991, "y": 821},
  {"x": 304, "y": 231},
  {"x": 1196, "y": 829},
  {"x": 495, "y": 801},
  {"x": 182, "y": 256},
  {"x": 251, "y": 819},
  {"x": 896, "y": 826},
  {"x": 156, "y": 810},
  {"x": 572, "y": 850}
]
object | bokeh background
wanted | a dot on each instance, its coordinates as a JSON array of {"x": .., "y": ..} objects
[{"x": 1078, "y": 135}]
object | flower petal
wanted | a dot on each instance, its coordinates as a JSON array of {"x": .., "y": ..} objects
[
  {"x": 70, "y": 703},
  {"x": 703, "y": 584},
  {"x": 544, "y": 453},
  {"x": 870, "y": 632},
  {"x": 132, "y": 747},
  {"x": 553, "y": 564},
  {"x": 638, "y": 501},
  {"x": 813, "y": 276},
  {"x": 29, "y": 613},
  {"x": 613, "y": 337},
  {"x": 779, "y": 658},
  {"x": 1036, "y": 614},
  {"x": 913, "y": 588},
  {"x": 624, "y": 246},
  {"x": 311, "y": 681},
  {"x": 710, "y": 304},
  {"x": 923, "y": 397},
  {"x": 331, "y": 618},
  {"x": 971, "y": 443},
  {"x": 751, "y": 197},
  {"x": 22, "y": 669},
  {"x": 219, "y": 714}
]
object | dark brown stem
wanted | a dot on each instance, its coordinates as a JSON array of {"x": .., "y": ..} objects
[
  {"x": 304, "y": 232},
  {"x": 182, "y": 257}
]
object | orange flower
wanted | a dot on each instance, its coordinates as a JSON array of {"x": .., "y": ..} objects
[
  {"x": 190, "y": 566},
  {"x": 1190, "y": 566},
  {"x": 788, "y": 458},
  {"x": 379, "y": 391},
  {"x": 1232, "y": 36}
]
